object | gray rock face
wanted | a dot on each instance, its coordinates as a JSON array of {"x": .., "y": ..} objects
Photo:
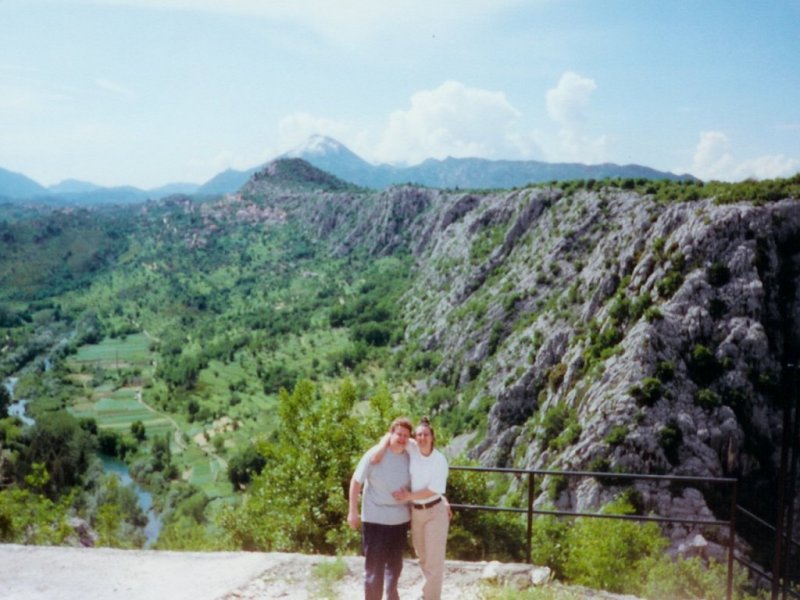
[
  {"x": 594, "y": 329},
  {"x": 666, "y": 324}
]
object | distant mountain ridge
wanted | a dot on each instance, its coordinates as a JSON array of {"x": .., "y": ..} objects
[
  {"x": 17, "y": 186},
  {"x": 478, "y": 173},
  {"x": 335, "y": 158},
  {"x": 329, "y": 155}
]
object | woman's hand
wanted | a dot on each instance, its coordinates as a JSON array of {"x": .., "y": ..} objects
[{"x": 449, "y": 508}]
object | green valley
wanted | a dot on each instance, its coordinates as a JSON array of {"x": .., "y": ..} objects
[{"x": 240, "y": 352}]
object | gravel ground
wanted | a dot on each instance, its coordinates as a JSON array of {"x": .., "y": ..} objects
[
  {"x": 59, "y": 573},
  {"x": 50, "y": 573}
]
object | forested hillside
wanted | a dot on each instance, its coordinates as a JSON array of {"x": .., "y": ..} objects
[{"x": 240, "y": 352}]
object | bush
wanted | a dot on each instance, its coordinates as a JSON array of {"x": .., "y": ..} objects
[
  {"x": 373, "y": 333},
  {"x": 718, "y": 274},
  {"x": 648, "y": 392},
  {"x": 703, "y": 365},
  {"x": 617, "y": 435},
  {"x": 685, "y": 578},
  {"x": 670, "y": 438},
  {"x": 477, "y": 535},
  {"x": 556, "y": 376},
  {"x": 570, "y": 435},
  {"x": 624, "y": 557},
  {"x": 495, "y": 337},
  {"x": 717, "y": 308},
  {"x": 611, "y": 554},
  {"x": 31, "y": 518},
  {"x": 244, "y": 465},
  {"x": 559, "y": 426},
  {"x": 549, "y": 545},
  {"x": 653, "y": 314},
  {"x": 665, "y": 370},
  {"x": 708, "y": 399},
  {"x": 669, "y": 284}
]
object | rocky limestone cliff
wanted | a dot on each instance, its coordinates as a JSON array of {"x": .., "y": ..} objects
[
  {"x": 592, "y": 327},
  {"x": 604, "y": 330}
]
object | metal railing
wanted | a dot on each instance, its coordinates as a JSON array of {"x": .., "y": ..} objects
[
  {"x": 530, "y": 510},
  {"x": 789, "y": 544}
]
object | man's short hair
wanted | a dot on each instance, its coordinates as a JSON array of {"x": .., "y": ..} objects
[{"x": 402, "y": 422}]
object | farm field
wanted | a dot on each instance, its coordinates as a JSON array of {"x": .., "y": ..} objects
[
  {"x": 115, "y": 353},
  {"x": 115, "y": 403}
]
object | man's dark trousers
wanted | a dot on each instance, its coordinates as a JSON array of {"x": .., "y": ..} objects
[{"x": 383, "y": 558}]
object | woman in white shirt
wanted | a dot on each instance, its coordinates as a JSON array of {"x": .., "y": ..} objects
[{"x": 430, "y": 513}]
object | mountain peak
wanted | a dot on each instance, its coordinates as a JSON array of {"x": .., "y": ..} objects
[
  {"x": 295, "y": 173},
  {"x": 318, "y": 145}
]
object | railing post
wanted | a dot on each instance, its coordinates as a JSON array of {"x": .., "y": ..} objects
[
  {"x": 530, "y": 515},
  {"x": 732, "y": 538},
  {"x": 783, "y": 475}
]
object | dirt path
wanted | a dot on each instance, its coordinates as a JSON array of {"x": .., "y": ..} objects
[{"x": 177, "y": 435}]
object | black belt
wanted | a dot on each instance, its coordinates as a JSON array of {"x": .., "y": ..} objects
[{"x": 429, "y": 504}]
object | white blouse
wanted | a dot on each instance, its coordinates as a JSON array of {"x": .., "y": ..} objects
[{"x": 427, "y": 471}]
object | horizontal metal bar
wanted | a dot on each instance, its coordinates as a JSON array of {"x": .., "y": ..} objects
[
  {"x": 560, "y": 513},
  {"x": 758, "y": 570},
  {"x": 763, "y": 523},
  {"x": 600, "y": 474},
  {"x": 752, "y": 567}
]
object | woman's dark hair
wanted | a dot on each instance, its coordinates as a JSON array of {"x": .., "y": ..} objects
[{"x": 426, "y": 422}]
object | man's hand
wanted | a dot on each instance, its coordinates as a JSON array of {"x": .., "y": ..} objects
[
  {"x": 353, "y": 519},
  {"x": 402, "y": 495},
  {"x": 381, "y": 447}
]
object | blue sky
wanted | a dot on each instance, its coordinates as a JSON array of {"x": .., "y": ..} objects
[{"x": 146, "y": 92}]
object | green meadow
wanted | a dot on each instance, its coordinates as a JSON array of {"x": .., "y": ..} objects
[{"x": 115, "y": 353}]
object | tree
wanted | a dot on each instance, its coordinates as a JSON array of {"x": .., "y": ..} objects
[
  {"x": 62, "y": 446},
  {"x": 244, "y": 465},
  {"x": 138, "y": 430},
  {"x": 299, "y": 501},
  {"x": 5, "y": 401},
  {"x": 161, "y": 454}
]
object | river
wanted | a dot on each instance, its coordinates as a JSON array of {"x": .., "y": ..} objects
[
  {"x": 110, "y": 465},
  {"x": 120, "y": 469},
  {"x": 18, "y": 408}
]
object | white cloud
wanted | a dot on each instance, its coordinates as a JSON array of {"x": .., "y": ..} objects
[
  {"x": 454, "y": 120},
  {"x": 566, "y": 105},
  {"x": 713, "y": 159},
  {"x": 566, "y": 101}
]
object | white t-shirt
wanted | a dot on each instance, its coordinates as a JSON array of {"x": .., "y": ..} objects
[{"x": 427, "y": 472}]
